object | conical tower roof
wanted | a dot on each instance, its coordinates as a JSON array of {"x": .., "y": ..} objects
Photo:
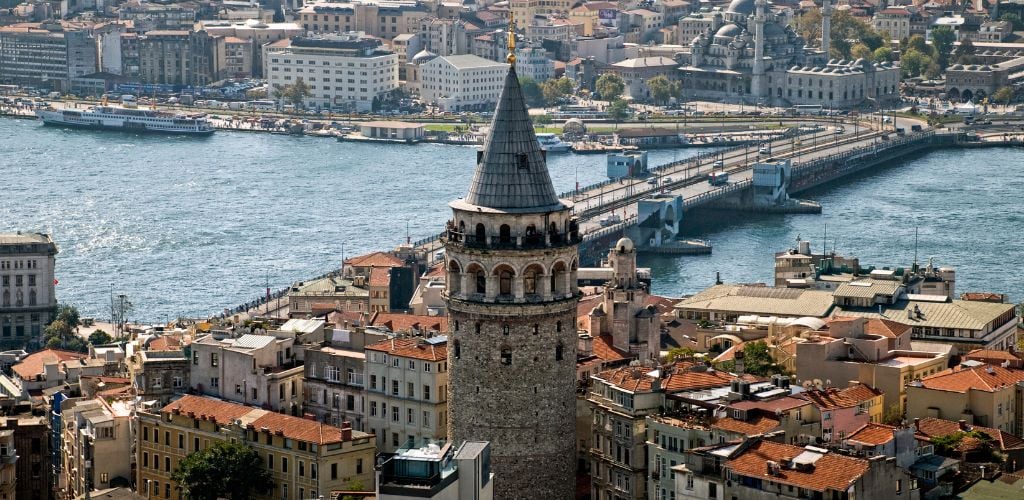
[{"x": 511, "y": 172}]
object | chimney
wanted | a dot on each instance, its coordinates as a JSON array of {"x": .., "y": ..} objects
[
  {"x": 585, "y": 344},
  {"x": 346, "y": 431},
  {"x": 963, "y": 425},
  {"x": 738, "y": 363}
]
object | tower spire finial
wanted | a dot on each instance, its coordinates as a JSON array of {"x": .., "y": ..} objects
[{"x": 511, "y": 58}]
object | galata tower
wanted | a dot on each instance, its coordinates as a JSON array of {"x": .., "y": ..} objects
[{"x": 511, "y": 255}]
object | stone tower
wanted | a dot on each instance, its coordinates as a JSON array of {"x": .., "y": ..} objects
[
  {"x": 757, "y": 83},
  {"x": 511, "y": 255},
  {"x": 826, "y": 27}
]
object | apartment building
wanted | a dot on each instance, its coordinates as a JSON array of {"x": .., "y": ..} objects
[
  {"x": 382, "y": 19},
  {"x": 331, "y": 293},
  {"x": 159, "y": 374},
  {"x": 306, "y": 459},
  {"x": 33, "y": 55},
  {"x": 96, "y": 444},
  {"x": 32, "y": 446},
  {"x": 258, "y": 370},
  {"x": 462, "y": 83},
  {"x": 177, "y": 57},
  {"x": 343, "y": 71},
  {"x": 894, "y": 21},
  {"x": 407, "y": 391},
  {"x": 47, "y": 369},
  {"x": 981, "y": 394},
  {"x": 257, "y": 32},
  {"x": 8, "y": 458},
  {"x": 27, "y": 298},
  {"x": 334, "y": 387}
]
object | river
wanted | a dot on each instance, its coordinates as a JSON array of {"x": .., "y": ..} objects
[{"x": 188, "y": 226}]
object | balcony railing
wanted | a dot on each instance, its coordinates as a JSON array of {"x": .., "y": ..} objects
[{"x": 551, "y": 239}]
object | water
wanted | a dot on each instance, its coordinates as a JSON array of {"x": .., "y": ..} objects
[{"x": 188, "y": 226}]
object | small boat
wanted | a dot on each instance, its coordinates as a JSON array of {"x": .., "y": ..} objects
[{"x": 552, "y": 144}]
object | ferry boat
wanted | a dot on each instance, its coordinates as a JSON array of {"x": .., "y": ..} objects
[
  {"x": 127, "y": 119},
  {"x": 552, "y": 144}
]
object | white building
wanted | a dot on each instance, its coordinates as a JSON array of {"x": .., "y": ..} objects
[
  {"x": 27, "y": 300},
  {"x": 533, "y": 63},
  {"x": 257, "y": 370},
  {"x": 407, "y": 391},
  {"x": 343, "y": 71},
  {"x": 462, "y": 83},
  {"x": 96, "y": 441},
  {"x": 438, "y": 472}
]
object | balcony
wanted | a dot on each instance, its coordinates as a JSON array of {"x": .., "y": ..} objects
[{"x": 531, "y": 241}]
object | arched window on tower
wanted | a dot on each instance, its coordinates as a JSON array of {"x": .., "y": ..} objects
[
  {"x": 455, "y": 277},
  {"x": 481, "y": 281},
  {"x": 504, "y": 234},
  {"x": 504, "y": 329},
  {"x": 481, "y": 234},
  {"x": 505, "y": 282},
  {"x": 506, "y": 355},
  {"x": 458, "y": 349},
  {"x": 558, "y": 351},
  {"x": 558, "y": 326},
  {"x": 476, "y": 327}
]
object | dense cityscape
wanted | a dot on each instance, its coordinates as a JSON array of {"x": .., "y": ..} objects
[{"x": 512, "y": 341}]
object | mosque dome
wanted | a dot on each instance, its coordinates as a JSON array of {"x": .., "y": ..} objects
[
  {"x": 624, "y": 245},
  {"x": 423, "y": 56},
  {"x": 729, "y": 31},
  {"x": 745, "y": 7}
]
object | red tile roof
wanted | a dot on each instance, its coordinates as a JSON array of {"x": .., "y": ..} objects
[
  {"x": 872, "y": 434},
  {"x": 224, "y": 412},
  {"x": 982, "y": 296},
  {"x": 986, "y": 378},
  {"x": 885, "y": 328},
  {"x": 752, "y": 427},
  {"x": 604, "y": 349},
  {"x": 773, "y": 406},
  {"x": 831, "y": 472},
  {"x": 935, "y": 427},
  {"x": 828, "y": 399},
  {"x": 681, "y": 377},
  {"x": 436, "y": 271},
  {"x": 860, "y": 392},
  {"x": 415, "y": 348},
  {"x": 408, "y": 323},
  {"x": 380, "y": 276},
  {"x": 375, "y": 259},
  {"x": 164, "y": 343},
  {"x": 996, "y": 357},
  {"x": 33, "y": 364}
]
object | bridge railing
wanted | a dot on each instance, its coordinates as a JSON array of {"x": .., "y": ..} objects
[
  {"x": 593, "y": 235},
  {"x": 695, "y": 200}
]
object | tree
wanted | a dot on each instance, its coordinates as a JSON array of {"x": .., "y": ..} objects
[
  {"x": 661, "y": 89},
  {"x": 893, "y": 416},
  {"x": 1013, "y": 19},
  {"x": 882, "y": 54},
  {"x": 861, "y": 51},
  {"x": 544, "y": 119},
  {"x": 966, "y": 49},
  {"x": 618, "y": 110},
  {"x": 932, "y": 72},
  {"x": 69, "y": 315},
  {"x": 918, "y": 43},
  {"x": 224, "y": 470},
  {"x": 565, "y": 85},
  {"x": 610, "y": 87},
  {"x": 757, "y": 359},
  {"x": 914, "y": 62},
  {"x": 942, "y": 39},
  {"x": 531, "y": 92},
  {"x": 100, "y": 337},
  {"x": 808, "y": 25},
  {"x": 297, "y": 92},
  {"x": 1003, "y": 95},
  {"x": 353, "y": 485},
  {"x": 551, "y": 92},
  {"x": 677, "y": 353}
]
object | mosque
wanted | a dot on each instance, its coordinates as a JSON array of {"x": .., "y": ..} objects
[{"x": 749, "y": 53}]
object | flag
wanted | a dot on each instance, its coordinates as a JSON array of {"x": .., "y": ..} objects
[{"x": 55, "y": 281}]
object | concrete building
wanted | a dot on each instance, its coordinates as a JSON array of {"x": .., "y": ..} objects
[
  {"x": 334, "y": 386},
  {"x": 461, "y": 83},
  {"x": 407, "y": 395},
  {"x": 443, "y": 471},
  {"x": 159, "y": 17},
  {"x": 8, "y": 458},
  {"x": 757, "y": 468},
  {"x": 256, "y": 31},
  {"x": 47, "y": 369},
  {"x": 159, "y": 375},
  {"x": 27, "y": 298},
  {"x": 32, "y": 445},
  {"x": 177, "y": 57},
  {"x": 894, "y": 21},
  {"x": 235, "y": 60},
  {"x": 446, "y": 37},
  {"x": 523, "y": 10},
  {"x": 259, "y": 370},
  {"x": 34, "y": 55},
  {"x": 981, "y": 394},
  {"x": 534, "y": 63},
  {"x": 428, "y": 298},
  {"x": 511, "y": 252},
  {"x": 97, "y": 444},
  {"x": 331, "y": 293},
  {"x": 306, "y": 459},
  {"x": 382, "y": 19},
  {"x": 343, "y": 71}
]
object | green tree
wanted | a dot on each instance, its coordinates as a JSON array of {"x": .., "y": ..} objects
[
  {"x": 297, "y": 92},
  {"x": 610, "y": 87},
  {"x": 942, "y": 39},
  {"x": 618, "y": 110},
  {"x": 861, "y": 51},
  {"x": 100, "y": 337},
  {"x": 69, "y": 315},
  {"x": 544, "y": 119},
  {"x": 224, "y": 470},
  {"x": 893, "y": 416},
  {"x": 353, "y": 485},
  {"x": 757, "y": 359},
  {"x": 932, "y": 72},
  {"x": 661, "y": 89},
  {"x": 677, "y": 353},
  {"x": 963, "y": 51},
  {"x": 565, "y": 85},
  {"x": 551, "y": 92},
  {"x": 913, "y": 62},
  {"x": 882, "y": 54},
  {"x": 918, "y": 43},
  {"x": 1013, "y": 19},
  {"x": 531, "y": 92},
  {"x": 1003, "y": 95},
  {"x": 808, "y": 25}
]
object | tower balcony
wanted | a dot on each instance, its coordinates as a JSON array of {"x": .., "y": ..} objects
[{"x": 530, "y": 241}]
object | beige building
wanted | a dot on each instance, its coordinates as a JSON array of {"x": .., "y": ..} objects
[
  {"x": 256, "y": 32},
  {"x": 981, "y": 394},
  {"x": 96, "y": 443},
  {"x": 384, "y": 20},
  {"x": 461, "y": 83},
  {"x": 894, "y": 21},
  {"x": 343, "y": 71},
  {"x": 306, "y": 459},
  {"x": 407, "y": 391},
  {"x": 178, "y": 57},
  {"x": 159, "y": 374},
  {"x": 253, "y": 369},
  {"x": 27, "y": 297},
  {"x": 8, "y": 457},
  {"x": 332, "y": 293},
  {"x": 524, "y": 10}
]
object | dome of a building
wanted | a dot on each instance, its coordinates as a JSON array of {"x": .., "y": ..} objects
[
  {"x": 745, "y": 7},
  {"x": 423, "y": 56},
  {"x": 624, "y": 245},
  {"x": 255, "y": 23},
  {"x": 728, "y": 31}
]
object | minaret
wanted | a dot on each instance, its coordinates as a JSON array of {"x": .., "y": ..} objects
[
  {"x": 757, "y": 78},
  {"x": 511, "y": 250},
  {"x": 826, "y": 27}
]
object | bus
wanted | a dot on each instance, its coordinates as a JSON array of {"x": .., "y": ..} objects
[
  {"x": 808, "y": 109},
  {"x": 718, "y": 178}
]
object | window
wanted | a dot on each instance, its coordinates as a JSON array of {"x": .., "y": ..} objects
[
  {"x": 426, "y": 393},
  {"x": 395, "y": 362},
  {"x": 213, "y": 359},
  {"x": 195, "y": 358},
  {"x": 412, "y": 365},
  {"x": 334, "y": 471},
  {"x": 410, "y": 416},
  {"x": 373, "y": 408},
  {"x": 373, "y": 382},
  {"x": 284, "y": 464},
  {"x": 411, "y": 390},
  {"x": 558, "y": 352},
  {"x": 167, "y": 464},
  {"x": 506, "y": 355},
  {"x": 426, "y": 418},
  {"x": 394, "y": 387},
  {"x": 312, "y": 470},
  {"x": 426, "y": 366},
  {"x": 255, "y": 393},
  {"x": 359, "y": 466},
  {"x": 145, "y": 459},
  {"x": 394, "y": 414},
  {"x": 156, "y": 461},
  {"x": 302, "y": 468},
  {"x": 215, "y": 382},
  {"x": 689, "y": 481},
  {"x": 181, "y": 441}
]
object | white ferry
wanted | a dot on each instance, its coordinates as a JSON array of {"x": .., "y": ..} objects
[
  {"x": 552, "y": 144},
  {"x": 127, "y": 119}
]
